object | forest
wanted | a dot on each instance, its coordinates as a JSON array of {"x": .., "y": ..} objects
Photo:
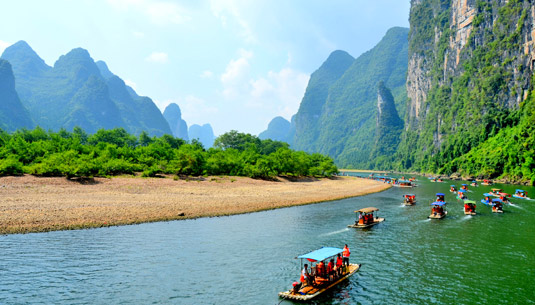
[{"x": 116, "y": 152}]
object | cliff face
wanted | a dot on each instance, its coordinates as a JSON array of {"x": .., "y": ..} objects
[
  {"x": 13, "y": 115},
  {"x": 470, "y": 68}
]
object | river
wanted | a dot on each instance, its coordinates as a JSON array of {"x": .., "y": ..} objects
[{"x": 247, "y": 259}]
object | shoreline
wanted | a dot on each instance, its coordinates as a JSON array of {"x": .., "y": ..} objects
[{"x": 36, "y": 204}]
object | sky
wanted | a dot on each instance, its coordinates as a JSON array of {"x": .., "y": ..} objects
[{"x": 235, "y": 64}]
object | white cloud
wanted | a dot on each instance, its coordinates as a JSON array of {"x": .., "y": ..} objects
[
  {"x": 158, "y": 57},
  {"x": 158, "y": 12},
  {"x": 207, "y": 74},
  {"x": 230, "y": 12},
  {"x": 3, "y": 46},
  {"x": 236, "y": 76}
]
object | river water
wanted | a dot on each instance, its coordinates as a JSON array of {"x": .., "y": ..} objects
[{"x": 247, "y": 259}]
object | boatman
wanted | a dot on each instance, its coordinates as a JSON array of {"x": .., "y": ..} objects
[{"x": 345, "y": 255}]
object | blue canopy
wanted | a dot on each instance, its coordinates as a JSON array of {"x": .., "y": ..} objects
[
  {"x": 487, "y": 195},
  {"x": 441, "y": 194},
  {"x": 438, "y": 203},
  {"x": 520, "y": 191},
  {"x": 462, "y": 191},
  {"x": 497, "y": 200},
  {"x": 404, "y": 181},
  {"x": 452, "y": 185},
  {"x": 321, "y": 254},
  {"x": 464, "y": 184}
]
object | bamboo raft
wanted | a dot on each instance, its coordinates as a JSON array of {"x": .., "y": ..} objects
[{"x": 307, "y": 293}]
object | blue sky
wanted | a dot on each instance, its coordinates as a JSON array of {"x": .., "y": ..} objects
[{"x": 233, "y": 64}]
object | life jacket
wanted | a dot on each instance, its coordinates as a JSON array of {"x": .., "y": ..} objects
[
  {"x": 339, "y": 262},
  {"x": 330, "y": 267},
  {"x": 346, "y": 252},
  {"x": 320, "y": 268}
]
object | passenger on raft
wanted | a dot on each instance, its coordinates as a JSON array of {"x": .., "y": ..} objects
[
  {"x": 339, "y": 264},
  {"x": 469, "y": 207},
  {"x": 453, "y": 189},
  {"x": 306, "y": 277},
  {"x": 497, "y": 206},
  {"x": 437, "y": 210},
  {"x": 330, "y": 270}
]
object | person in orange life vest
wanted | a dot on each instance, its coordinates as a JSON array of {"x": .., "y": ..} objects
[
  {"x": 345, "y": 254},
  {"x": 330, "y": 269},
  {"x": 466, "y": 207},
  {"x": 320, "y": 269},
  {"x": 339, "y": 264},
  {"x": 361, "y": 219}
]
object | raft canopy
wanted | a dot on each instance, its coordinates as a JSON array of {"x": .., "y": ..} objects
[
  {"x": 440, "y": 203},
  {"x": 441, "y": 194},
  {"x": 462, "y": 191},
  {"x": 497, "y": 200},
  {"x": 520, "y": 191},
  {"x": 321, "y": 254},
  {"x": 497, "y": 190},
  {"x": 367, "y": 210},
  {"x": 469, "y": 202},
  {"x": 452, "y": 185}
]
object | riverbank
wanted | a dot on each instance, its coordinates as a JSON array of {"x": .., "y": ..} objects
[{"x": 34, "y": 204}]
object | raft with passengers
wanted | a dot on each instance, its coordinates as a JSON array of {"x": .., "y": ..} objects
[
  {"x": 409, "y": 199},
  {"x": 319, "y": 278},
  {"x": 521, "y": 194},
  {"x": 366, "y": 218},
  {"x": 470, "y": 207},
  {"x": 437, "y": 210}
]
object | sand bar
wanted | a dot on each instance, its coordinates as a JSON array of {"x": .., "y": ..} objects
[{"x": 33, "y": 204}]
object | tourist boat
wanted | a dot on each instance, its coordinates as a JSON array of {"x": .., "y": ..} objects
[
  {"x": 497, "y": 205},
  {"x": 440, "y": 197},
  {"x": 403, "y": 183},
  {"x": 409, "y": 199},
  {"x": 453, "y": 189},
  {"x": 469, "y": 207},
  {"x": 486, "y": 182},
  {"x": 487, "y": 200},
  {"x": 474, "y": 183},
  {"x": 461, "y": 195},
  {"x": 306, "y": 292},
  {"x": 366, "y": 218},
  {"x": 437, "y": 210},
  {"x": 464, "y": 186},
  {"x": 521, "y": 194},
  {"x": 499, "y": 193},
  {"x": 439, "y": 180},
  {"x": 412, "y": 179},
  {"x": 432, "y": 179}
]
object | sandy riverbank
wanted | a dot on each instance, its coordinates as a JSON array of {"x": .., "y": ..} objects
[{"x": 32, "y": 204}]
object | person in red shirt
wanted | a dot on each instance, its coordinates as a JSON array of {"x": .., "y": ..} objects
[
  {"x": 330, "y": 269},
  {"x": 339, "y": 264},
  {"x": 320, "y": 269}
]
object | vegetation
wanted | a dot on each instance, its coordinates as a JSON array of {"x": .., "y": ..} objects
[{"x": 115, "y": 152}]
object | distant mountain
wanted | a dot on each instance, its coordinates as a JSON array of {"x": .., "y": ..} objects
[
  {"x": 76, "y": 93},
  {"x": 13, "y": 115},
  {"x": 310, "y": 110},
  {"x": 173, "y": 115},
  {"x": 278, "y": 130},
  {"x": 338, "y": 113},
  {"x": 203, "y": 133}
]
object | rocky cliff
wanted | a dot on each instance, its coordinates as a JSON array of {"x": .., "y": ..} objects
[
  {"x": 278, "y": 130},
  {"x": 203, "y": 134},
  {"x": 469, "y": 73}
]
